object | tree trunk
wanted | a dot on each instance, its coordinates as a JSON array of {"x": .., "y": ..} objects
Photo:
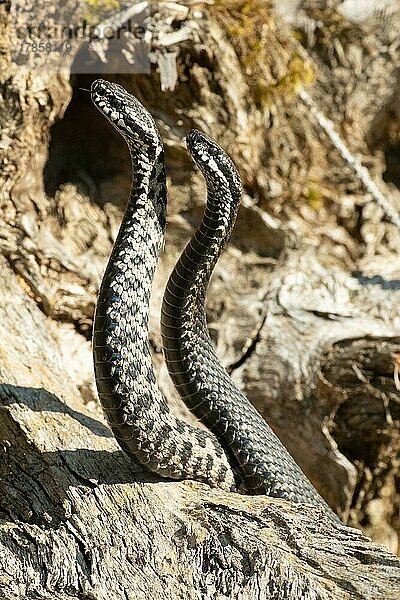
[{"x": 303, "y": 309}]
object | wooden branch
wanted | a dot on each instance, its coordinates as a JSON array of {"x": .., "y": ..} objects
[{"x": 362, "y": 172}]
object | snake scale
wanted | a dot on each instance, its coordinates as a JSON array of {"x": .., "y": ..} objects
[{"x": 239, "y": 440}]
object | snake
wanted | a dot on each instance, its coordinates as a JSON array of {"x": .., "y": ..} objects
[
  {"x": 254, "y": 451},
  {"x": 238, "y": 445},
  {"x": 136, "y": 411}
]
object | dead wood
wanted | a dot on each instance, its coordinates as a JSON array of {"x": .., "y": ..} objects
[{"x": 303, "y": 309}]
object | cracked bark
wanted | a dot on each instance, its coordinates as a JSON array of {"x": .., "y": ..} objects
[{"x": 303, "y": 309}]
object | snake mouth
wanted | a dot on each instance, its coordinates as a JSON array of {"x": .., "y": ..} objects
[
  {"x": 192, "y": 137},
  {"x": 106, "y": 95},
  {"x": 100, "y": 90},
  {"x": 201, "y": 145},
  {"x": 98, "y": 86}
]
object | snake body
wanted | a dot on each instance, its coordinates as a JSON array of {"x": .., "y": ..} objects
[
  {"x": 137, "y": 413},
  {"x": 253, "y": 449}
]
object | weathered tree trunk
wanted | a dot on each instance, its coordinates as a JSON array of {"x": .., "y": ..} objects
[{"x": 303, "y": 309}]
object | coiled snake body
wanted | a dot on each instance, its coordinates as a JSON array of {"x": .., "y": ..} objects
[{"x": 137, "y": 413}]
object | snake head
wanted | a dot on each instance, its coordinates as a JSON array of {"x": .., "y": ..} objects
[
  {"x": 128, "y": 116},
  {"x": 216, "y": 166}
]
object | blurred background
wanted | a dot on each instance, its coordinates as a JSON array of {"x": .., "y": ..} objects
[{"x": 304, "y": 305}]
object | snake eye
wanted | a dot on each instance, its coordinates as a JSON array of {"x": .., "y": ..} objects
[
  {"x": 213, "y": 151},
  {"x": 116, "y": 103},
  {"x": 100, "y": 90}
]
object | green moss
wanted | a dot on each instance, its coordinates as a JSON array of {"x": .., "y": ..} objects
[
  {"x": 299, "y": 73},
  {"x": 103, "y": 4},
  {"x": 314, "y": 198},
  {"x": 97, "y": 10},
  {"x": 271, "y": 65}
]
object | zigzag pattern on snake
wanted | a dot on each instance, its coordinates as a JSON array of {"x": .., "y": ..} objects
[
  {"x": 137, "y": 413},
  {"x": 135, "y": 409},
  {"x": 254, "y": 451}
]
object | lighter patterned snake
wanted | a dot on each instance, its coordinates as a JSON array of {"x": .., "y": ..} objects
[{"x": 135, "y": 409}]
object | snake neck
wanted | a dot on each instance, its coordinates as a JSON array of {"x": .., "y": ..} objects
[
  {"x": 144, "y": 214},
  {"x": 148, "y": 195},
  {"x": 121, "y": 321},
  {"x": 190, "y": 278}
]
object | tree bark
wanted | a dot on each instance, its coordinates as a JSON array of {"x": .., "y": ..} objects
[{"x": 303, "y": 309}]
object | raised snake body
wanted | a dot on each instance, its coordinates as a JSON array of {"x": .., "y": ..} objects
[
  {"x": 253, "y": 449},
  {"x": 137, "y": 413}
]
